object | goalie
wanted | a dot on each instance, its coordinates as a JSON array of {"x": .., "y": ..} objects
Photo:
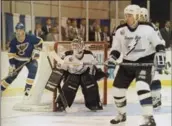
[{"x": 76, "y": 75}]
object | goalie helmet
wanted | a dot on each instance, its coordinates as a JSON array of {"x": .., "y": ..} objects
[
  {"x": 77, "y": 46},
  {"x": 144, "y": 16}
]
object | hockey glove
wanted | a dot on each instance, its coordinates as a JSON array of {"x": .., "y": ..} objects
[
  {"x": 111, "y": 62},
  {"x": 35, "y": 54},
  {"x": 159, "y": 60},
  {"x": 12, "y": 69}
]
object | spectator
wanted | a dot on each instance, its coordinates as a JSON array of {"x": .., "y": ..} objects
[
  {"x": 167, "y": 34},
  {"x": 105, "y": 35},
  {"x": 38, "y": 31},
  {"x": 96, "y": 35},
  {"x": 53, "y": 35},
  {"x": 69, "y": 26},
  {"x": 95, "y": 23},
  {"x": 63, "y": 33},
  {"x": 73, "y": 31},
  {"x": 82, "y": 29},
  {"x": 46, "y": 28}
]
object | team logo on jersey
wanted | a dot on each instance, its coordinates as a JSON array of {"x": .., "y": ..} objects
[
  {"x": 22, "y": 48},
  {"x": 131, "y": 43}
]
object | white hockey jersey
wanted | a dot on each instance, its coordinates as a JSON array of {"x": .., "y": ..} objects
[
  {"x": 87, "y": 57},
  {"x": 158, "y": 33},
  {"x": 134, "y": 44}
]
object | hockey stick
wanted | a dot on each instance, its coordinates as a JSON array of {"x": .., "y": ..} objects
[
  {"x": 63, "y": 98},
  {"x": 16, "y": 70},
  {"x": 59, "y": 60}
]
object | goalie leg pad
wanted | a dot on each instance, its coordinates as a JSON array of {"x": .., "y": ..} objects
[
  {"x": 90, "y": 91},
  {"x": 70, "y": 88},
  {"x": 54, "y": 79}
]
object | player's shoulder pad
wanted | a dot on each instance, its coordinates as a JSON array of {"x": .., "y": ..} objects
[
  {"x": 148, "y": 24},
  {"x": 121, "y": 26},
  {"x": 88, "y": 52}
]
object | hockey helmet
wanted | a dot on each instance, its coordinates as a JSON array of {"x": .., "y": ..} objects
[
  {"x": 20, "y": 26},
  {"x": 144, "y": 15},
  {"x": 77, "y": 44},
  {"x": 20, "y": 30},
  {"x": 132, "y": 10}
]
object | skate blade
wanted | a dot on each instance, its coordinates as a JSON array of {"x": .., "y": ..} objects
[{"x": 119, "y": 124}]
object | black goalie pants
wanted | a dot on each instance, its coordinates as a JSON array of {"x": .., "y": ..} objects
[{"x": 89, "y": 87}]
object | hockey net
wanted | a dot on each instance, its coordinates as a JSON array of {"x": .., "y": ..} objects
[{"x": 99, "y": 49}]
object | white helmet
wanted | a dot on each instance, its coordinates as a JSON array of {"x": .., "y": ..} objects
[
  {"x": 134, "y": 10},
  {"x": 77, "y": 45},
  {"x": 144, "y": 15}
]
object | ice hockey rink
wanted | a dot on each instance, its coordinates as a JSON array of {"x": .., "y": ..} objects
[{"x": 79, "y": 115}]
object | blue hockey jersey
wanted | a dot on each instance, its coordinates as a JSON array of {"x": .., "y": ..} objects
[{"x": 22, "y": 51}]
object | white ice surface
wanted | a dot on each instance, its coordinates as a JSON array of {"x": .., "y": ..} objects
[{"x": 82, "y": 116}]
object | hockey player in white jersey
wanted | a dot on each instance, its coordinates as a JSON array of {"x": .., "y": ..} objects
[
  {"x": 83, "y": 75},
  {"x": 156, "y": 83},
  {"x": 138, "y": 43}
]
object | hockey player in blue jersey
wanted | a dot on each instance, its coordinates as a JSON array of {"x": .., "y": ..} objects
[{"x": 23, "y": 48}]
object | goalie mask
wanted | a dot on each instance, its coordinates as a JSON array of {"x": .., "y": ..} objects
[
  {"x": 77, "y": 46},
  {"x": 144, "y": 15}
]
